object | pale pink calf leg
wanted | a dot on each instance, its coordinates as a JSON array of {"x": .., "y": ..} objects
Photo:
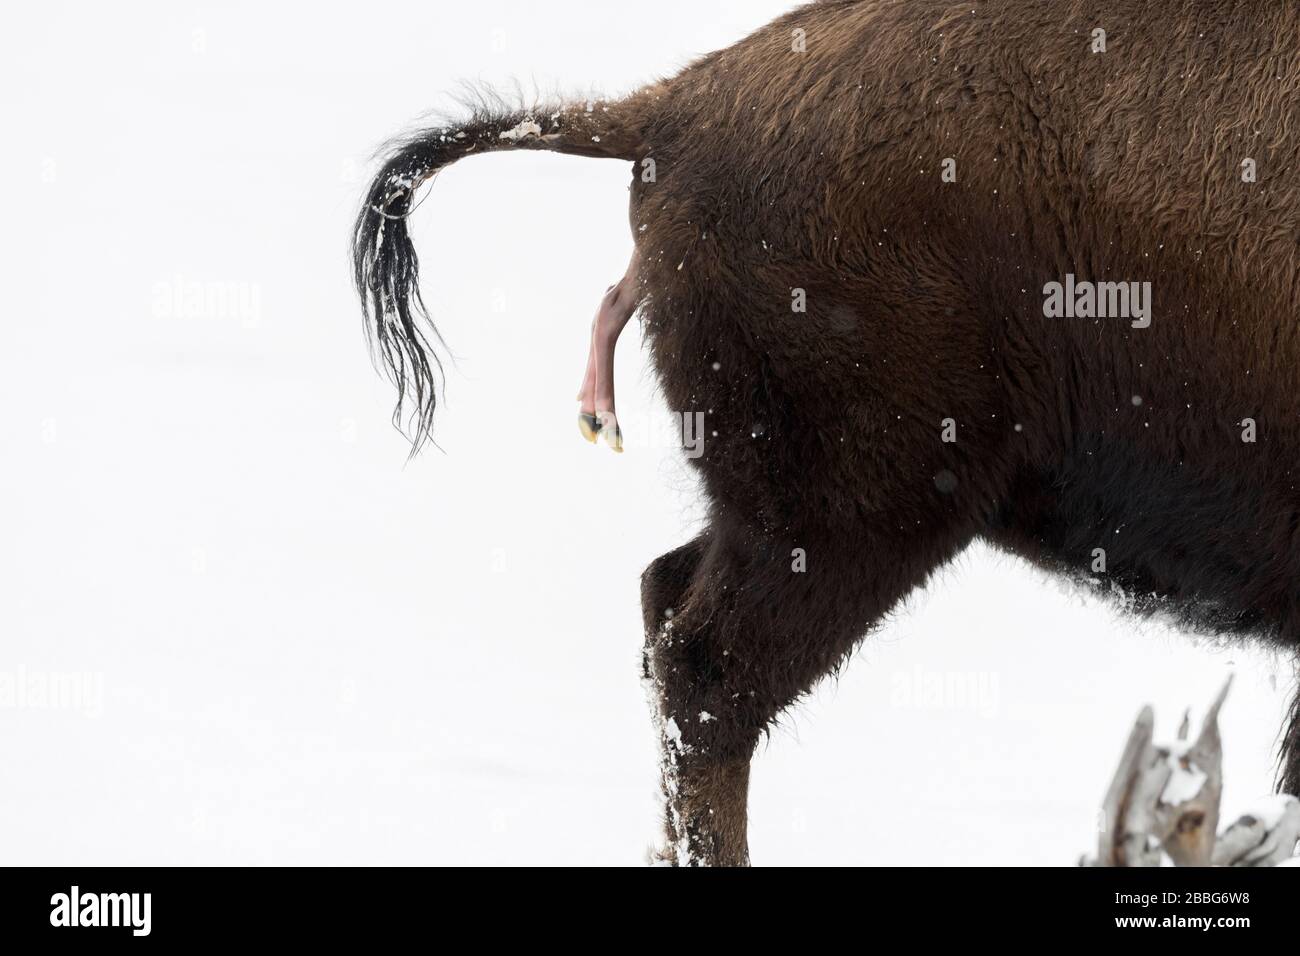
[{"x": 596, "y": 415}]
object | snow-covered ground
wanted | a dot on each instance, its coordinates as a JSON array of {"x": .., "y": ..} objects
[{"x": 287, "y": 646}]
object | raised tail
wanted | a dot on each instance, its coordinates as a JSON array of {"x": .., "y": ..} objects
[{"x": 384, "y": 262}]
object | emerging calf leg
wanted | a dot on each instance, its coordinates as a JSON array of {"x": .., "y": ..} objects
[{"x": 596, "y": 413}]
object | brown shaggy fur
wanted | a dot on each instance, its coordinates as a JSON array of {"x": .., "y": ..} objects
[{"x": 820, "y": 170}]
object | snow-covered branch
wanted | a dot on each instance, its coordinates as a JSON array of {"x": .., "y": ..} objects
[{"x": 1162, "y": 807}]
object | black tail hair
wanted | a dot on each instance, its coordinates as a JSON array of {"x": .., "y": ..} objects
[{"x": 385, "y": 267}]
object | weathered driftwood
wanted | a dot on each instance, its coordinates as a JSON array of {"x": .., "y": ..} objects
[
  {"x": 1266, "y": 836},
  {"x": 1162, "y": 807}
]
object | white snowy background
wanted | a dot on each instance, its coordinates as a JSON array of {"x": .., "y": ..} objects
[{"x": 301, "y": 650}]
